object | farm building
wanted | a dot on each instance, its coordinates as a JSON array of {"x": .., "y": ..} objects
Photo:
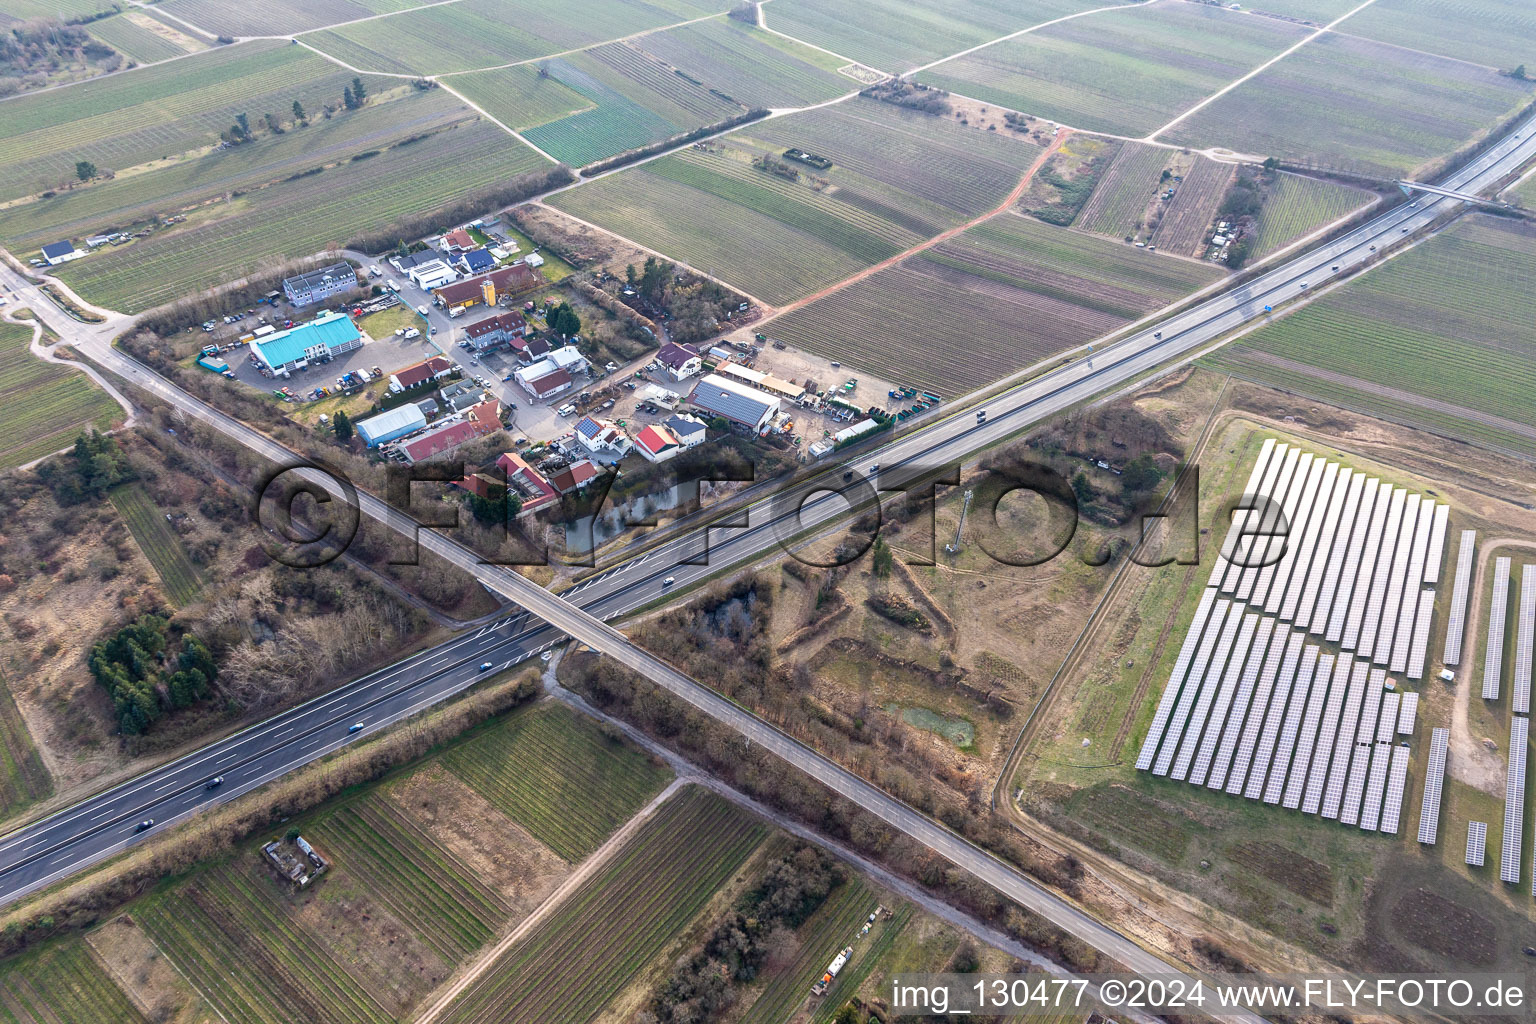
[
  {"x": 481, "y": 420},
  {"x": 528, "y": 482},
  {"x": 328, "y": 335},
  {"x": 657, "y": 444},
  {"x": 432, "y": 274},
  {"x": 859, "y": 429},
  {"x": 457, "y": 240},
  {"x": 735, "y": 401},
  {"x": 475, "y": 261},
  {"x": 319, "y": 285},
  {"x": 574, "y": 477},
  {"x": 487, "y": 288},
  {"x": 387, "y": 426},
  {"x": 55, "y": 253},
  {"x": 603, "y": 438},
  {"x": 543, "y": 379},
  {"x": 764, "y": 381},
  {"x": 496, "y": 331},
  {"x": 435, "y": 368},
  {"x": 688, "y": 430},
  {"x": 681, "y": 361}
]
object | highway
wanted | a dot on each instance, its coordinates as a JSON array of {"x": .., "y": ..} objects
[{"x": 71, "y": 839}]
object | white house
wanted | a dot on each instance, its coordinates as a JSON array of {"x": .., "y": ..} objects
[
  {"x": 433, "y": 274},
  {"x": 603, "y": 437}
]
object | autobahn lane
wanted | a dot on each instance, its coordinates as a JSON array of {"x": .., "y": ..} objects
[{"x": 102, "y": 825}]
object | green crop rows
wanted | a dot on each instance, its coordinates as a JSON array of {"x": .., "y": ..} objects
[
  {"x": 557, "y": 776},
  {"x": 996, "y": 298},
  {"x": 1297, "y": 205},
  {"x": 223, "y": 930},
  {"x": 1493, "y": 32},
  {"x": 1355, "y": 105},
  {"x": 1116, "y": 206},
  {"x": 47, "y": 405},
  {"x": 134, "y": 40},
  {"x": 62, "y": 984},
  {"x": 578, "y": 959},
  {"x": 519, "y": 96},
  {"x": 1126, "y": 72},
  {"x": 294, "y": 218},
  {"x": 829, "y": 930},
  {"x": 848, "y": 982},
  {"x": 753, "y": 67},
  {"x": 268, "y": 17},
  {"x": 159, "y": 543},
  {"x": 156, "y": 112},
  {"x": 23, "y": 776},
  {"x": 416, "y": 879},
  {"x": 1452, "y": 320}
]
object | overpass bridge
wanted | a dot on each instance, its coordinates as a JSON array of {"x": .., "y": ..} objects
[{"x": 1410, "y": 187}]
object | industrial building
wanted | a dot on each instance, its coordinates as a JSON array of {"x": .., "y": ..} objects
[
  {"x": 488, "y": 288},
  {"x": 387, "y": 426},
  {"x": 328, "y": 335},
  {"x": 320, "y": 285},
  {"x": 735, "y": 401},
  {"x": 432, "y": 274}
]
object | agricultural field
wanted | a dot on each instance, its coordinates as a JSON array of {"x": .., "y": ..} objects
[
  {"x": 159, "y": 542},
  {"x": 63, "y": 984},
  {"x": 475, "y": 34},
  {"x": 896, "y": 36},
  {"x": 619, "y": 919},
  {"x": 1494, "y": 33},
  {"x": 557, "y": 776},
  {"x": 635, "y": 99},
  {"x": 47, "y": 404},
  {"x": 1297, "y": 205},
  {"x": 1000, "y": 296},
  {"x": 1124, "y": 72},
  {"x": 755, "y": 68},
  {"x": 141, "y": 37},
  {"x": 1130, "y": 184},
  {"x": 277, "y": 17},
  {"x": 1315, "y": 12},
  {"x": 24, "y": 778},
  {"x": 1350, "y": 104},
  {"x": 520, "y": 97},
  {"x": 157, "y": 114},
  {"x": 1440, "y": 336},
  {"x": 1185, "y": 224},
  {"x": 301, "y": 215},
  {"x": 826, "y": 932},
  {"x": 21, "y": 10},
  {"x": 898, "y": 177}
]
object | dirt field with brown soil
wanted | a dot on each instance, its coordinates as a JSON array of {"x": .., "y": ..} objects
[
  {"x": 582, "y": 244},
  {"x": 146, "y": 977}
]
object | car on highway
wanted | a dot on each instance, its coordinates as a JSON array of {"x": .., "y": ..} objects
[
  {"x": 354, "y": 727},
  {"x": 981, "y": 415},
  {"x": 485, "y": 666},
  {"x": 669, "y": 581},
  {"x": 214, "y": 783},
  {"x": 145, "y": 825}
]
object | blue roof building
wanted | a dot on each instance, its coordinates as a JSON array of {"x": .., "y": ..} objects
[
  {"x": 386, "y": 426},
  {"x": 476, "y": 261},
  {"x": 327, "y": 335}
]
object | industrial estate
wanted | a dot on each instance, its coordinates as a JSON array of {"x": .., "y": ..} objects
[{"x": 688, "y": 511}]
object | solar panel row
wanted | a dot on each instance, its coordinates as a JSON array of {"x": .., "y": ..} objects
[
  {"x": 1317, "y": 775},
  {"x": 1521, "y": 703},
  {"x": 1263, "y": 696},
  {"x": 1271, "y": 520},
  {"x": 1264, "y": 753},
  {"x": 1303, "y": 768},
  {"x": 1191, "y": 689},
  {"x": 1459, "y": 590},
  {"x": 1420, "y": 647},
  {"x": 1344, "y": 743},
  {"x": 1477, "y": 842},
  {"x": 1436, "y": 553},
  {"x": 1349, "y": 574},
  {"x": 1326, "y": 544},
  {"x": 1408, "y": 607},
  {"x": 1175, "y": 680},
  {"x": 1365, "y": 740},
  {"x": 1277, "y": 527},
  {"x": 1372, "y": 560},
  {"x": 1392, "y": 598},
  {"x": 1240, "y": 518},
  {"x": 1304, "y": 541},
  {"x": 1347, "y": 525},
  {"x": 1286, "y": 750},
  {"x": 1397, "y": 781},
  {"x": 1407, "y": 714},
  {"x": 1214, "y": 696},
  {"x": 1514, "y": 800},
  {"x": 1498, "y": 620},
  {"x": 1241, "y": 704},
  {"x": 1434, "y": 781},
  {"x": 1365, "y": 638}
]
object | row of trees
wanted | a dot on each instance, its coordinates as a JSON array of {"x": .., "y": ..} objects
[{"x": 353, "y": 96}]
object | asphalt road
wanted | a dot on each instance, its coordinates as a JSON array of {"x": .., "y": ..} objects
[{"x": 102, "y": 825}]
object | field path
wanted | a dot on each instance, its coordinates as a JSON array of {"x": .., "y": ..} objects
[
  {"x": 599, "y": 857},
  {"x": 944, "y": 236}
]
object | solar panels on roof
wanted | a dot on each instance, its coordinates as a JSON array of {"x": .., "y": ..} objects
[
  {"x": 1434, "y": 780},
  {"x": 1459, "y": 591}
]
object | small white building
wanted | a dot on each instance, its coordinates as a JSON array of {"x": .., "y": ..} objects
[
  {"x": 569, "y": 359},
  {"x": 433, "y": 274},
  {"x": 55, "y": 253},
  {"x": 603, "y": 437},
  {"x": 689, "y": 430}
]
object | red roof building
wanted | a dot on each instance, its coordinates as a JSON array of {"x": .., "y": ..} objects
[
  {"x": 528, "y": 482},
  {"x": 458, "y": 238},
  {"x": 574, "y": 477},
  {"x": 511, "y": 280},
  {"x": 420, "y": 373},
  {"x": 656, "y": 444},
  {"x": 495, "y": 331},
  {"x": 479, "y": 421},
  {"x": 549, "y": 384}
]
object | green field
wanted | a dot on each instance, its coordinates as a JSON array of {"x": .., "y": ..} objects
[
  {"x": 276, "y": 17},
  {"x": 519, "y": 96},
  {"x": 580, "y": 957},
  {"x": 827, "y": 931},
  {"x": 1298, "y": 205},
  {"x": 293, "y": 218},
  {"x": 48, "y": 405},
  {"x": 159, "y": 543},
  {"x": 1004, "y": 294},
  {"x": 556, "y": 775},
  {"x": 1128, "y": 72},
  {"x": 136, "y": 41},
  {"x": 158, "y": 113},
  {"x": 21, "y": 10},
  {"x": 899, "y": 177},
  {"x": 476, "y": 34},
  {"x": 1497, "y": 33},
  {"x": 23, "y": 776},
  {"x": 1451, "y": 321},
  {"x": 898, "y": 35},
  {"x": 1115, "y": 209},
  {"x": 753, "y": 67},
  {"x": 1351, "y": 104},
  {"x": 62, "y": 984}
]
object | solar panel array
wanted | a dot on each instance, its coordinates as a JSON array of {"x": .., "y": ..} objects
[
  {"x": 1498, "y": 615},
  {"x": 1250, "y": 708},
  {"x": 1434, "y": 781},
  {"x": 1514, "y": 800},
  {"x": 1459, "y": 591},
  {"x": 1477, "y": 842},
  {"x": 1523, "y": 637}
]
